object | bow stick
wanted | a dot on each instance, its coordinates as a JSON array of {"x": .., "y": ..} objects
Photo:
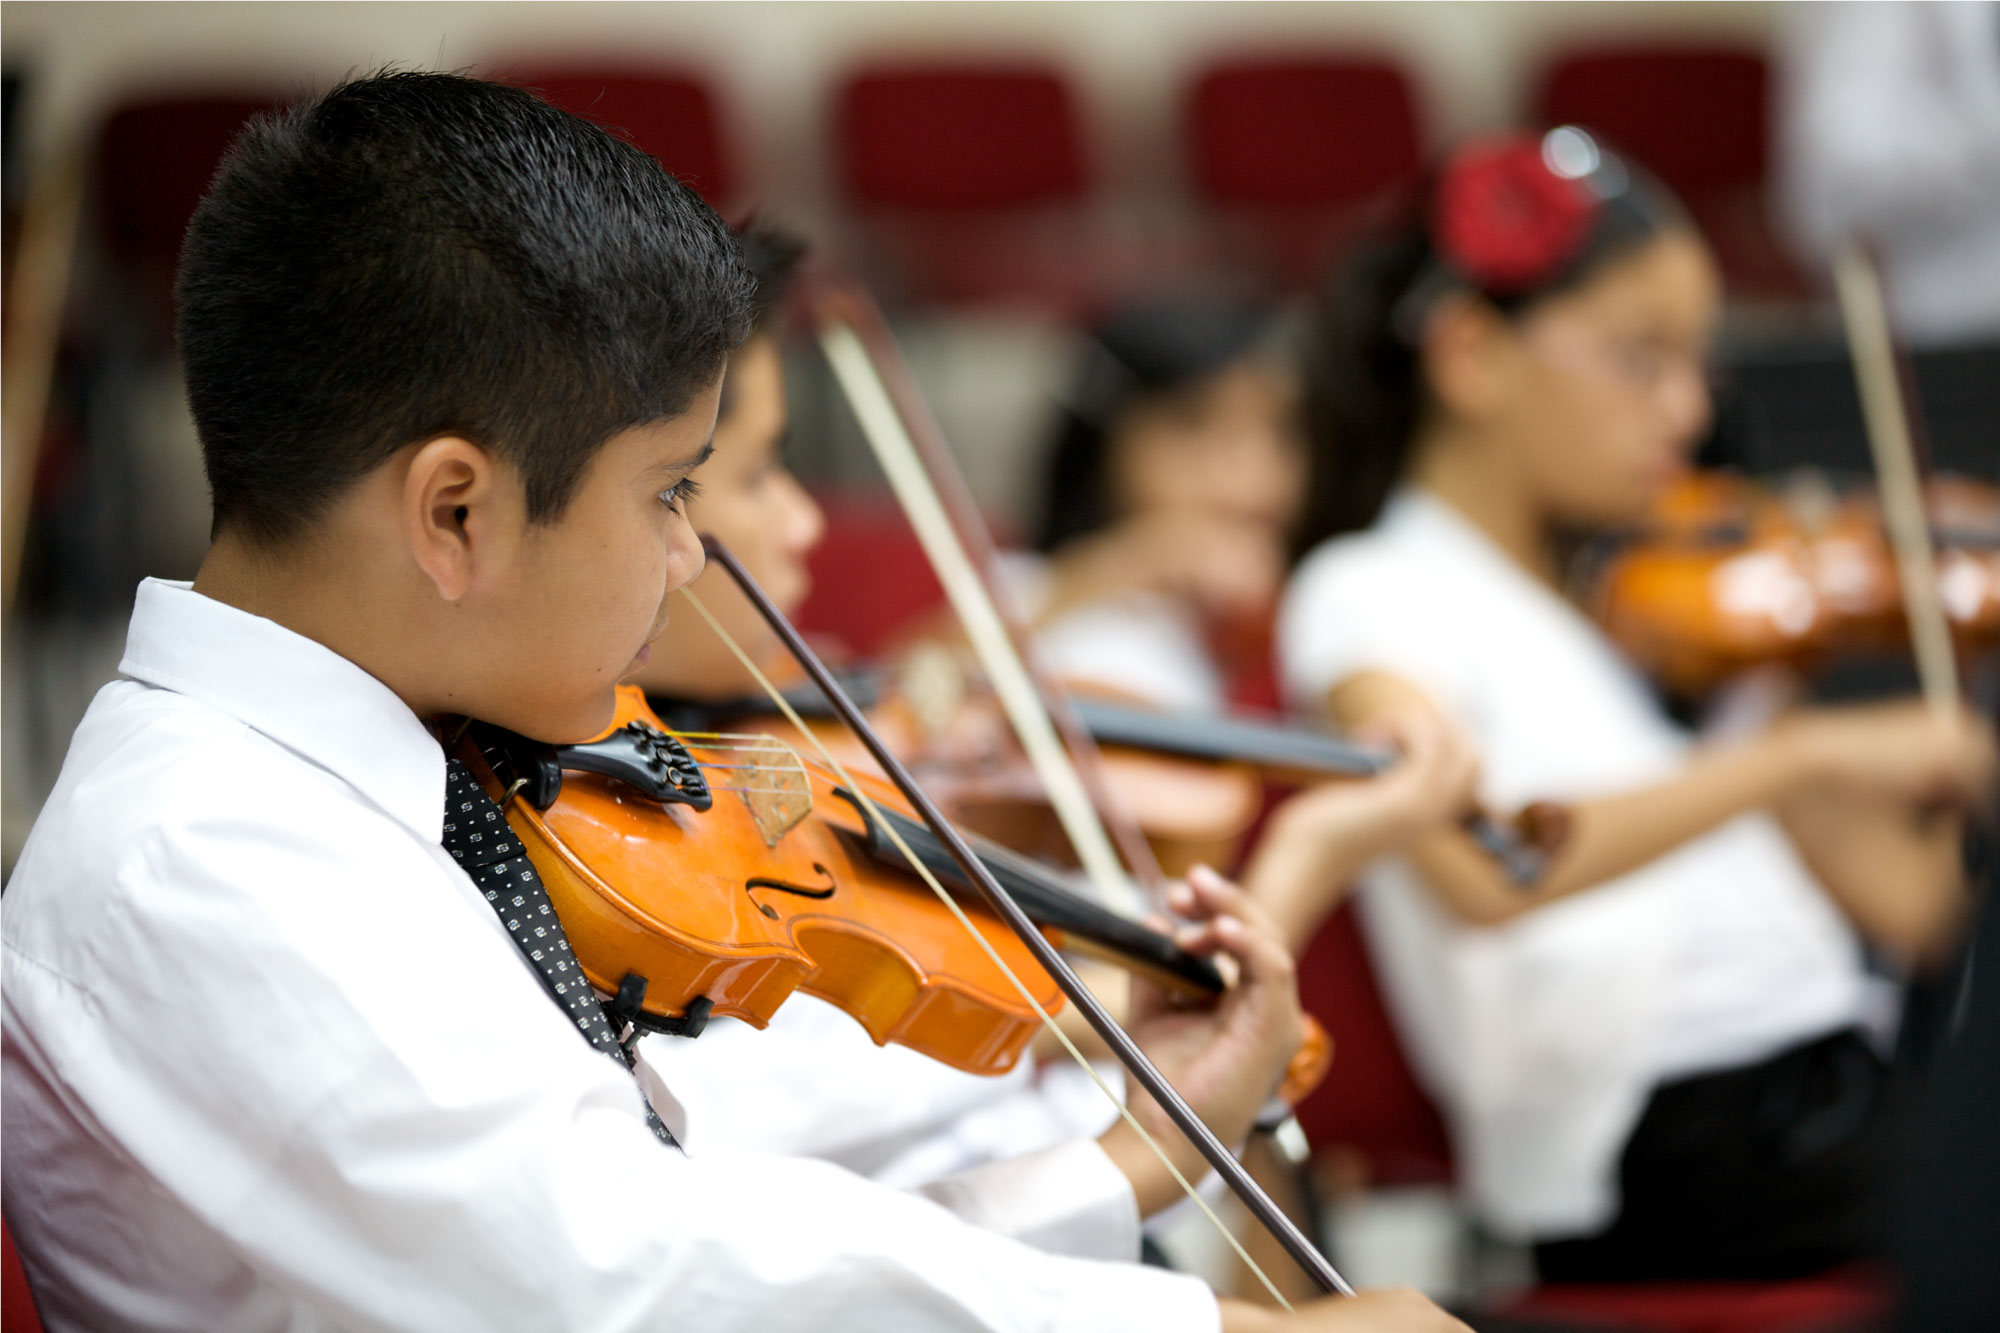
[
  {"x": 864, "y": 317},
  {"x": 1034, "y": 707},
  {"x": 1887, "y": 417}
]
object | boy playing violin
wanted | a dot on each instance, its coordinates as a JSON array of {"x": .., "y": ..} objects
[{"x": 274, "y": 1059}]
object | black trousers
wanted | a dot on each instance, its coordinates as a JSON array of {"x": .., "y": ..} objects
[{"x": 1764, "y": 1172}]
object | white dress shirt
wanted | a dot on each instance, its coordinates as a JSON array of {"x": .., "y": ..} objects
[
  {"x": 272, "y": 1063},
  {"x": 1890, "y": 130},
  {"x": 1543, "y": 1037}
]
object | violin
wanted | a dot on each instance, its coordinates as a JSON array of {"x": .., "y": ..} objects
[
  {"x": 681, "y": 906},
  {"x": 1727, "y": 574},
  {"x": 715, "y": 874}
]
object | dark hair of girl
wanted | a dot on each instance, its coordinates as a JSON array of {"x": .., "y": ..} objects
[
  {"x": 773, "y": 256},
  {"x": 1144, "y": 350},
  {"x": 1515, "y": 219}
]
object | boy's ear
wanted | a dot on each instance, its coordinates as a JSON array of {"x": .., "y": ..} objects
[
  {"x": 1466, "y": 355},
  {"x": 453, "y": 499}
]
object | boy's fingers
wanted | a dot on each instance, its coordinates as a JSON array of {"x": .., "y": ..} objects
[
  {"x": 1219, "y": 897},
  {"x": 1261, "y": 953}
]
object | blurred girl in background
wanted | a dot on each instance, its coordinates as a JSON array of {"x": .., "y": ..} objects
[
  {"x": 1173, "y": 485},
  {"x": 1653, "y": 1061}
]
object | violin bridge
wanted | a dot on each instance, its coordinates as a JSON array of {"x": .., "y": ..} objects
[
  {"x": 777, "y": 792},
  {"x": 933, "y": 687}
]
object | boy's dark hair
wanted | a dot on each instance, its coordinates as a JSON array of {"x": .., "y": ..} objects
[
  {"x": 418, "y": 254},
  {"x": 1365, "y": 392}
]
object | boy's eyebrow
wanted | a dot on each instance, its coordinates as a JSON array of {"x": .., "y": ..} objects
[{"x": 686, "y": 465}]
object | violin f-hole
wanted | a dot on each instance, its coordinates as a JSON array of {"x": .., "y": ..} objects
[{"x": 750, "y": 886}]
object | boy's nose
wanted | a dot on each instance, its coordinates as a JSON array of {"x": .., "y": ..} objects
[{"x": 690, "y": 557}]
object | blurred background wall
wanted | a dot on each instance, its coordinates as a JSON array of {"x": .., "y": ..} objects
[{"x": 996, "y": 172}]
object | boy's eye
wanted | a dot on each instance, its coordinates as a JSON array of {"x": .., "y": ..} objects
[{"x": 680, "y": 493}]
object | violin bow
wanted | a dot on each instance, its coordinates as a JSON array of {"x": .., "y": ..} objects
[
  {"x": 1887, "y": 417},
  {"x": 1120, "y": 1043},
  {"x": 940, "y": 507}
]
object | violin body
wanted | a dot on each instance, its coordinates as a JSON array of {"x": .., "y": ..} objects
[
  {"x": 1730, "y": 575},
  {"x": 719, "y": 917}
]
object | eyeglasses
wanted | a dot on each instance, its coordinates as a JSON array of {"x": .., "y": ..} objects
[{"x": 1641, "y": 365}]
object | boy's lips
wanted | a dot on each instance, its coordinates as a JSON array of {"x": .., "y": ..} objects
[{"x": 640, "y": 658}]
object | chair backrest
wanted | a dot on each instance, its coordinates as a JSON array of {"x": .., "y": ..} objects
[
  {"x": 1300, "y": 131},
  {"x": 866, "y": 531},
  {"x": 1371, "y": 1103},
  {"x": 17, "y": 1303},
  {"x": 671, "y": 114},
  {"x": 155, "y": 158},
  {"x": 1693, "y": 114},
  {"x": 954, "y": 137}
]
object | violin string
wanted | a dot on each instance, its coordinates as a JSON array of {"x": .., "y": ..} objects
[{"x": 1049, "y": 1023}]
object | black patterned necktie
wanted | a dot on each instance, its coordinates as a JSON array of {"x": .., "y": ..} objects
[{"x": 477, "y": 835}]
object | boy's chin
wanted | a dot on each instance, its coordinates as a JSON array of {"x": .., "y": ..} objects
[{"x": 569, "y": 723}]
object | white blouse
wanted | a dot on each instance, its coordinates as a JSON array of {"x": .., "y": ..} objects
[
  {"x": 1146, "y": 644},
  {"x": 1543, "y": 1037}
]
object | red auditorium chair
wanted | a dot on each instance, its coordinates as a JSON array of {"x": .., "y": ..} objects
[
  {"x": 155, "y": 158},
  {"x": 946, "y": 138},
  {"x": 866, "y": 616},
  {"x": 17, "y": 1303},
  {"x": 1697, "y": 116},
  {"x": 1842, "y": 1302},
  {"x": 669, "y": 113},
  {"x": 1370, "y": 1104},
  {"x": 970, "y": 178},
  {"x": 1291, "y": 151}
]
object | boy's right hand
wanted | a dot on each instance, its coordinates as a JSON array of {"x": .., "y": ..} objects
[
  {"x": 1903, "y": 751},
  {"x": 1225, "y": 1059},
  {"x": 1398, "y": 1310}
]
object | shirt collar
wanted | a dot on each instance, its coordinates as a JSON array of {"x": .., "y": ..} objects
[
  {"x": 1422, "y": 517},
  {"x": 298, "y": 692}
]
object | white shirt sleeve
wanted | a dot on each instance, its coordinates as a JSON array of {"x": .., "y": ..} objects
[
  {"x": 1349, "y": 610},
  {"x": 998, "y": 1151},
  {"x": 1069, "y": 1199}
]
